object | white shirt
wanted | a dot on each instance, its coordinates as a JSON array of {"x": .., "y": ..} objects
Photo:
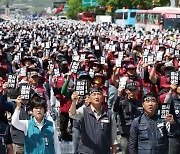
[{"x": 23, "y": 126}]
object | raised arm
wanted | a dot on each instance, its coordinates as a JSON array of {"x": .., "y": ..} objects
[
  {"x": 73, "y": 112},
  {"x": 19, "y": 124},
  {"x": 152, "y": 74},
  {"x": 168, "y": 97}
]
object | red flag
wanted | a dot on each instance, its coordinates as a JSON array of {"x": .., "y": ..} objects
[{"x": 60, "y": 8}]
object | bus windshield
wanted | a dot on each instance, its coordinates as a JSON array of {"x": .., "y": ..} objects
[
  {"x": 88, "y": 15},
  {"x": 132, "y": 14},
  {"x": 170, "y": 23},
  {"x": 122, "y": 15},
  {"x": 85, "y": 16}
]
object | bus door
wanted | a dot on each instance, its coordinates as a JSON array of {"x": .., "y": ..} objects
[{"x": 131, "y": 19}]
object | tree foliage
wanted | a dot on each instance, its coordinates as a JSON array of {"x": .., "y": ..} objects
[{"x": 75, "y": 6}]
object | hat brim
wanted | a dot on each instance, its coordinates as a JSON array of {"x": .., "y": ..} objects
[
  {"x": 164, "y": 67},
  {"x": 24, "y": 59}
]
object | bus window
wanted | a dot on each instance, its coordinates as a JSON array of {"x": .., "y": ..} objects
[
  {"x": 171, "y": 23},
  {"x": 87, "y": 16},
  {"x": 119, "y": 15},
  {"x": 153, "y": 18},
  {"x": 132, "y": 14},
  {"x": 140, "y": 17}
]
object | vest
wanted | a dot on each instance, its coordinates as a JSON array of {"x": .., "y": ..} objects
[
  {"x": 39, "y": 141},
  {"x": 151, "y": 140},
  {"x": 175, "y": 131},
  {"x": 95, "y": 134},
  {"x": 16, "y": 134},
  {"x": 128, "y": 111}
]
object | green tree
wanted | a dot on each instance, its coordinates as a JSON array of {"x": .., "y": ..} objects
[
  {"x": 144, "y": 4},
  {"x": 75, "y": 6}
]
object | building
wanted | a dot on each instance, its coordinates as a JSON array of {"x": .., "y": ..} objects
[{"x": 22, "y": 9}]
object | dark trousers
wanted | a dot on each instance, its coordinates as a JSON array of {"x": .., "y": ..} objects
[
  {"x": 174, "y": 146},
  {"x": 64, "y": 119}
]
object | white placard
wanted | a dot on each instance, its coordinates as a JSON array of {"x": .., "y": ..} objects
[
  {"x": 157, "y": 47},
  {"x": 126, "y": 46},
  {"x": 76, "y": 58},
  {"x": 89, "y": 44},
  {"x": 165, "y": 108},
  {"x": 120, "y": 55},
  {"x": 25, "y": 91},
  {"x": 107, "y": 46},
  {"x": 150, "y": 59},
  {"x": 160, "y": 56},
  {"x": 23, "y": 71},
  {"x": 174, "y": 78},
  {"x": 149, "y": 47},
  {"x": 118, "y": 62},
  {"x": 17, "y": 59},
  {"x": 96, "y": 47},
  {"x": 74, "y": 67},
  {"x": 173, "y": 44},
  {"x": 114, "y": 48},
  {"x": 146, "y": 52},
  {"x": 12, "y": 80},
  {"x": 83, "y": 56},
  {"x": 103, "y": 60},
  {"x": 94, "y": 42},
  {"x": 176, "y": 53},
  {"x": 75, "y": 52},
  {"x": 56, "y": 72},
  {"x": 122, "y": 81},
  {"x": 91, "y": 73},
  {"x": 81, "y": 87},
  {"x": 145, "y": 59},
  {"x": 167, "y": 51}
]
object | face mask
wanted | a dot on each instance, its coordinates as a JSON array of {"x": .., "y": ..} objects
[{"x": 65, "y": 70}]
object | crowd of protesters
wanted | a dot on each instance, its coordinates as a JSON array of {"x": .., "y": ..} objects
[{"x": 108, "y": 86}]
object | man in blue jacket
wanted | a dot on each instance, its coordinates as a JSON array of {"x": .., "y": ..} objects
[
  {"x": 148, "y": 133},
  {"x": 173, "y": 98}
]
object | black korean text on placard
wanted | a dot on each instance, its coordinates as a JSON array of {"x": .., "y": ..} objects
[
  {"x": 74, "y": 67},
  {"x": 174, "y": 77},
  {"x": 164, "y": 110},
  {"x": 25, "y": 91},
  {"x": 12, "y": 80},
  {"x": 81, "y": 87}
]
